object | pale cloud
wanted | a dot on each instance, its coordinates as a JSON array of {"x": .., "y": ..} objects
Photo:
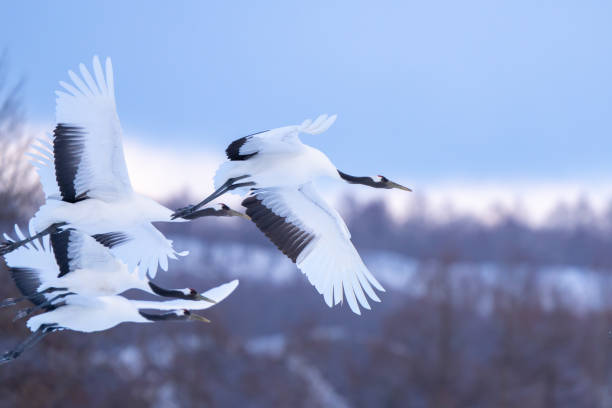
[
  {"x": 533, "y": 200},
  {"x": 163, "y": 171}
]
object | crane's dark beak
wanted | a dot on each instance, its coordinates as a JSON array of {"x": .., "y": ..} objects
[
  {"x": 200, "y": 297},
  {"x": 391, "y": 184},
  {"x": 198, "y": 318},
  {"x": 234, "y": 213}
]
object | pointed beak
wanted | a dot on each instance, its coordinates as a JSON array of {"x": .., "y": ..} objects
[
  {"x": 233, "y": 213},
  {"x": 391, "y": 184},
  {"x": 198, "y": 318},
  {"x": 209, "y": 300}
]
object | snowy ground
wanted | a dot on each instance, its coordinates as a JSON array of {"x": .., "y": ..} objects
[{"x": 582, "y": 288}]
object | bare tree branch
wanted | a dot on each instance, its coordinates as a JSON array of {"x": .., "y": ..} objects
[{"x": 19, "y": 192}]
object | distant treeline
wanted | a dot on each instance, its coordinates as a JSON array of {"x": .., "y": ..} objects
[{"x": 574, "y": 236}]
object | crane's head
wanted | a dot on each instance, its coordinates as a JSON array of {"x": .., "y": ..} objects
[
  {"x": 217, "y": 210},
  {"x": 384, "y": 182},
  {"x": 192, "y": 294},
  {"x": 186, "y": 294},
  {"x": 185, "y": 314},
  {"x": 225, "y": 210},
  {"x": 376, "y": 182},
  {"x": 175, "y": 315}
]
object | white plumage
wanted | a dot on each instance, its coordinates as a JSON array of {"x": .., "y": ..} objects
[
  {"x": 85, "y": 178},
  {"x": 91, "y": 314},
  {"x": 278, "y": 171},
  {"x": 77, "y": 289},
  {"x": 77, "y": 263},
  {"x": 330, "y": 261}
]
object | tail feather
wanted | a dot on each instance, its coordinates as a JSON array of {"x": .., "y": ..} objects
[{"x": 320, "y": 124}]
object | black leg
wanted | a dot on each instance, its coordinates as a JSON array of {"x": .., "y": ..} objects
[
  {"x": 26, "y": 312},
  {"x": 29, "y": 342},
  {"x": 13, "y": 301},
  {"x": 227, "y": 186},
  {"x": 10, "y": 246}
]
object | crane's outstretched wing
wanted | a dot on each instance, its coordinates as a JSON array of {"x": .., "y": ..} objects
[
  {"x": 42, "y": 159},
  {"x": 142, "y": 246},
  {"x": 217, "y": 294},
  {"x": 59, "y": 254},
  {"x": 276, "y": 141},
  {"x": 31, "y": 265},
  {"x": 310, "y": 232},
  {"x": 76, "y": 250},
  {"x": 87, "y": 141}
]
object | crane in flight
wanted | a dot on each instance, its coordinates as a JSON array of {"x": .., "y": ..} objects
[
  {"x": 276, "y": 172},
  {"x": 86, "y": 183},
  {"x": 69, "y": 261},
  {"x": 78, "y": 293}
]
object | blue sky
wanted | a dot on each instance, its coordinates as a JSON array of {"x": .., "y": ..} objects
[{"x": 425, "y": 91}]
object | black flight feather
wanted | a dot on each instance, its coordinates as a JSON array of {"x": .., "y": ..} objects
[
  {"x": 68, "y": 148},
  {"x": 287, "y": 237},
  {"x": 111, "y": 239},
  {"x": 233, "y": 150}
]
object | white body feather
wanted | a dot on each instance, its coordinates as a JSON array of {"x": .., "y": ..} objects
[
  {"x": 101, "y": 175},
  {"x": 96, "y": 306},
  {"x": 284, "y": 170},
  {"x": 90, "y": 314},
  {"x": 86, "y": 314}
]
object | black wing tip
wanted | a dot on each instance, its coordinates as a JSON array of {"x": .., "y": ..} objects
[
  {"x": 68, "y": 147},
  {"x": 60, "y": 242},
  {"x": 233, "y": 150},
  {"x": 111, "y": 239},
  {"x": 287, "y": 237},
  {"x": 28, "y": 282}
]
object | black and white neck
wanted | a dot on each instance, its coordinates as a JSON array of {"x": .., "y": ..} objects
[
  {"x": 218, "y": 210},
  {"x": 186, "y": 293},
  {"x": 173, "y": 316},
  {"x": 381, "y": 182}
]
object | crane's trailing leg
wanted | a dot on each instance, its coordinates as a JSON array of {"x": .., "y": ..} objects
[
  {"x": 32, "y": 339},
  {"x": 223, "y": 211},
  {"x": 13, "y": 301},
  {"x": 26, "y": 312},
  {"x": 10, "y": 246},
  {"x": 227, "y": 186}
]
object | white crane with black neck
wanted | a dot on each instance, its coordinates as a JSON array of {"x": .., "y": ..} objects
[
  {"x": 75, "y": 281},
  {"x": 86, "y": 183},
  {"x": 277, "y": 172}
]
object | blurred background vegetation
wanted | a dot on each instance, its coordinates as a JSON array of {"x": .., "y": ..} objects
[{"x": 475, "y": 315}]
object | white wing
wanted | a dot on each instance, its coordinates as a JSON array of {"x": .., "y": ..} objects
[
  {"x": 310, "y": 232},
  {"x": 58, "y": 254},
  {"x": 42, "y": 160},
  {"x": 142, "y": 246},
  {"x": 76, "y": 250},
  {"x": 87, "y": 142},
  {"x": 277, "y": 141},
  {"x": 217, "y": 294},
  {"x": 36, "y": 261}
]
